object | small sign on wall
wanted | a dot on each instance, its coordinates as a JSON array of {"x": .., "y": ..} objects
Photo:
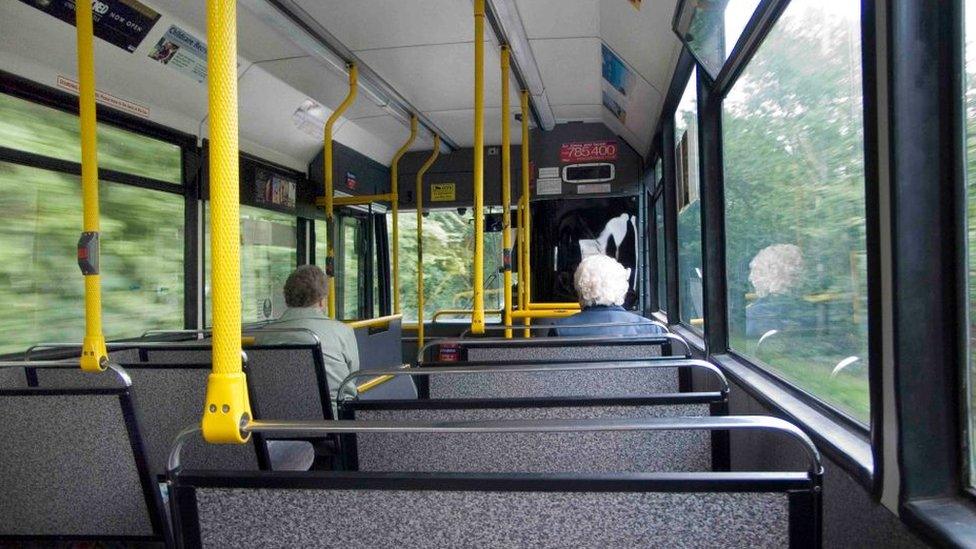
[
  {"x": 591, "y": 151},
  {"x": 351, "y": 181},
  {"x": 442, "y": 192}
]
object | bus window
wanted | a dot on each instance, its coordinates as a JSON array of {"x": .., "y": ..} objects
[
  {"x": 795, "y": 205},
  {"x": 662, "y": 279},
  {"x": 38, "y": 129},
  {"x": 42, "y": 292},
  {"x": 350, "y": 254},
  {"x": 690, "y": 306},
  {"x": 970, "y": 11},
  {"x": 268, "y": 255}
]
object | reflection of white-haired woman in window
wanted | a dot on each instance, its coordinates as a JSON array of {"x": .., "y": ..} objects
[
  {"x": 776, "y": 273},
  {"x": 601, "y": 287}
]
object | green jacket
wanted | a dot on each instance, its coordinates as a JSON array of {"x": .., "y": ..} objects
[{"x": 339, "y": 349}]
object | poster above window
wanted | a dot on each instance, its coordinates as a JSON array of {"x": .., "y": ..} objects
[{"x": 711, "y": 28}]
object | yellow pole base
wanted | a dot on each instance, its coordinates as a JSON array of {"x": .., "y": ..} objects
[
  {"x": 227, "y": 409},
  {"x": 94, "y": 355}
]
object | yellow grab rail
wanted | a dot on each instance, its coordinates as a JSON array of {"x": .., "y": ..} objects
[
  {"x": 478, "y": 317},
  {"x": 380, "y": 321},
  {"x": 94, "y": 355},
  {"x": 395, "y": 199},
  {"x": 377, "y": 381},
  {"x": 525, "y": 267},
  {"x": 506, "y": 190},
  {"x": 546, "y": 313},
  {"x": 462, "y": 312},
  {"x": 551, "y": 306},
  {"x": 227, "y": 407},
  {"x": 419, "y": 192},
  {"x": 329, "y": 188}
]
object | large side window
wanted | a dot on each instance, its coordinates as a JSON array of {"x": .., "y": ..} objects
[
  {"x": 795, "y": 205},
  {"x": 970, "y": 10},
  {"x": 690, "y": 306},
  {"x": 662, "y": 276},
  {"x": 42, "y": 294},
  {"x": 448, "y": 259}
]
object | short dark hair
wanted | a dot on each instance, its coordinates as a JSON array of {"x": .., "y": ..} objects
[{"x": 306, "y": 286}]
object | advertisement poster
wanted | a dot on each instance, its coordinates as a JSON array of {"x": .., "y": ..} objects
[
  {"x": 588, "y": 151},
  {"x": 123, "y": 23},
  {"x": 274, "y": 189},
  {"x": 182, "y": 51},
  {"x": 618, "y": 83}
]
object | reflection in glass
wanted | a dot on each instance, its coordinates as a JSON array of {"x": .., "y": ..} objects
[
  {"x": 35, "y": 128},
  {"x": 712, "y": 27},
  {"x": 43, "y": 291},
  {"x": 690, "y": 306},
  {"x": 268, "y": 256},
  {"x": 795, "y": 207},
  {"x": 662, "y": 279},
  {"x": 970, "y": 11}
]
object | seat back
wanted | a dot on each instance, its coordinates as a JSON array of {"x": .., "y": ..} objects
[
  {"x": 74, "y": 463},
  {"x": 564, "y": 352},
  {"x": 571, "y": 452},
  {"x": 380, "y": 349},
  {"x": 288, "y": 381}
]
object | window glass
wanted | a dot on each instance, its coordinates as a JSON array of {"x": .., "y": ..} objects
[
  {"x": 38, "y": 129},
  {"x": 795, "y": 206},
  {"x": 43, "y": 290},
  {"x": 970, "y": 10},
  {"x": 448, "y": 259},
  {"x": 662, "y": 279},
  {"x": 349, "y": 282},
  {"x": 321, "y": 243},
  {"x": 714, "y": 28},
  {"x": 269, "y": 254},
  {"x": 689, "y": 207}
]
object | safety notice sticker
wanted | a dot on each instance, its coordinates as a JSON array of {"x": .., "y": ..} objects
[
  {"x": 549, "y": 185},
  {"x": 182, "y": 51},
  {"x": 549, "y": 172},
  {"x": 442, "y": 192},
  {"x": 590, "y": 189},
  {"x": 124, "y": 23}
]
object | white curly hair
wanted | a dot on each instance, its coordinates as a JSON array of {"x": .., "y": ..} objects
[
  {"x": 601, "y": 280},
  {"x": 776, "y": 269}
]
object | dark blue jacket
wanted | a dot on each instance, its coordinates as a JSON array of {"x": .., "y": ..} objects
[{"x": 605, "y": 314}]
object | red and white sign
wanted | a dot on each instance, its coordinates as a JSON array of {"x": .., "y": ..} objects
[
  {"x": 590, "y": 151},
  {"x": 107, "y": 99}
]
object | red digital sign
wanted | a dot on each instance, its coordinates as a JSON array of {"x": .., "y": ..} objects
[{"x": 590, "y": 151}]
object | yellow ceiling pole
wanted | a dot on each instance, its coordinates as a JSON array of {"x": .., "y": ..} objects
[
  {"x": 526, "y": 265},
  {"x": 227, "y": 407},
  {"x": 93, "y": 352},
  {"x": 329, "y": 186},
  {"x": 478, "y": 290},
  {"x": 395, "y": 199},
  {"x": 506, "y": 189},
  {"x": 419, "y": 192}
]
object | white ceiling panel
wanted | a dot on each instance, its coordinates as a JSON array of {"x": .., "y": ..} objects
[
  {"x": 396, "y": 133},
  {"x": 459, "y": 125},
  {"x": 578, "y": 113},
  {"x": 372, "y": 24},
  {"x": 643, "y": 38},
  {"x": 322, "y": 84},
  {"x": 570, "y": 69},
  {"x": 266, "y": 107},
  {"x": 560, "y": 18},
  {"x": 438, "y": 78}
]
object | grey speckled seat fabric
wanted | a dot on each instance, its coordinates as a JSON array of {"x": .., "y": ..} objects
[
  {"x": 581, "y": 352},
  {"x": 590, "y": 452},
  {"x": 432, "y": 518},
  {"x": 70, "y": 468},
  {"x": 589, "y": 383},
  {"x": 12, "y": 378}
]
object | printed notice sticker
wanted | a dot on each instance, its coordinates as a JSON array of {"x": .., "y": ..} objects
[
  {"x": 550, "y": 172},
  {"x": 182, "y": 51},
  {"x": 442, "y": 192},
  {"x": 549, "y": 185},
  {"x": 130, "y": 107},
  {"x": 594, "y": 188}
]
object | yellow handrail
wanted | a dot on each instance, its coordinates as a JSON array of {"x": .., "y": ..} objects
[
  {"x": 380, "y": 321},
  {"x": 419, "y": 191},
  {"x": 395, "y": 199},
  {"x": 478, "y": 317},
  {"x": 329, "y": 189},
  {"x": 506, "y": 190},
  {"x": 550, "y": 306},
  {"x": 377, "y": 381},
  {"x": 525, "y": 267},
  {"x": 227, "y": 406},
  {"x": 446, "y": 312},
  {"x": 547, "y": 313},
  {"x": 93, "y": 352}
]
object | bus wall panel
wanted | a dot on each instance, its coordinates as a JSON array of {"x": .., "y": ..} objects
[{"x": 851, "y": 517}]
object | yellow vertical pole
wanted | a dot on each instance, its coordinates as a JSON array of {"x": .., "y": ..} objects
[
  {"x": 526, "y": 265},
  {"x": 419, "y": 192},
  {"x": 329, "y": 185},
  {"x": 478, "y": 308},
  {"x": 93, "y": 352},
  {"x": 227, "y": 406},
  {"x": 395, "y": 199},
  {"x": 506, "y": 189}
]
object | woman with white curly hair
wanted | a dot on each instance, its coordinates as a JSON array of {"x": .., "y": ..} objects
[{"x": 601, "y": 286}]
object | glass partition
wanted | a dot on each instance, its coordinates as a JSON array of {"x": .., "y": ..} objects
[
  {"x": 690, "y": 307},
  {"x": 710, "y": 29}
]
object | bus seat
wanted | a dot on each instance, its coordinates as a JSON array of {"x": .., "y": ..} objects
[
  {"x": 13, "y": 378},
  {"x": 559, "y": 383},
  {"x": 74, "y": 465},
  {"x": 579, "y": 352},
  {"x": 382, "y": 350}
]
